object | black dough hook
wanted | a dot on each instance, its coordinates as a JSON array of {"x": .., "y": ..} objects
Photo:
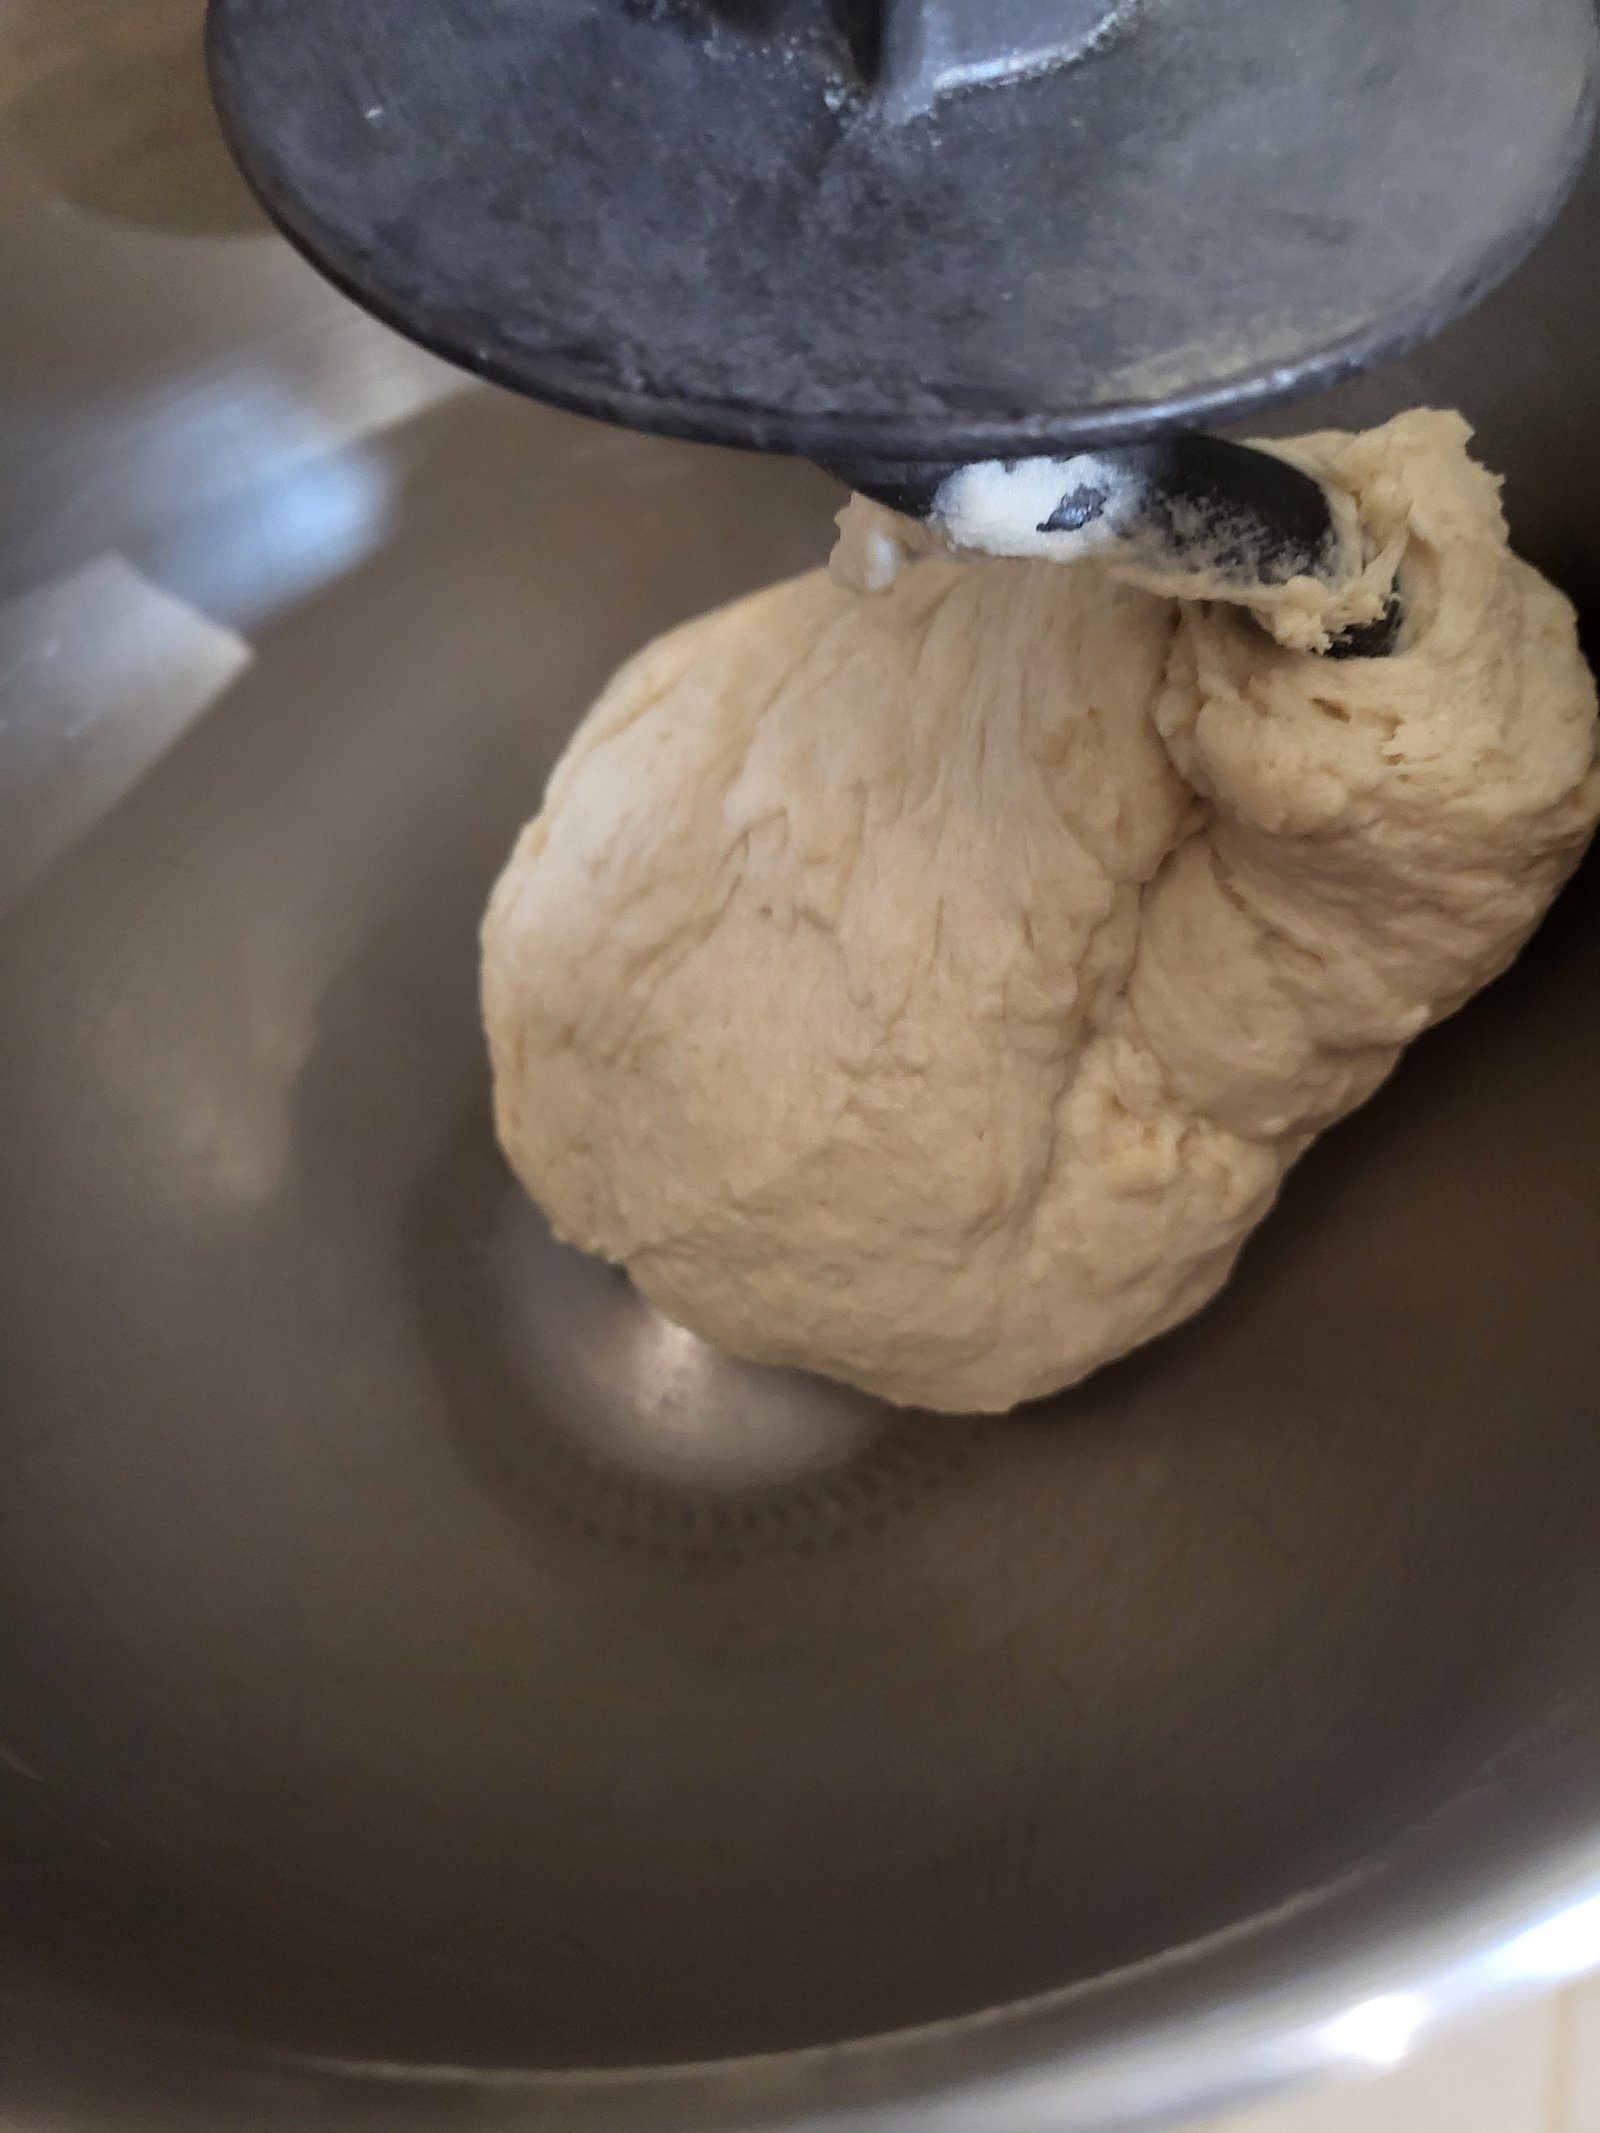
[{"x": 1180, "y": 504}]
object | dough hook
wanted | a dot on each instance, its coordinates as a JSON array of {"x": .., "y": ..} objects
[{"x": 1180, "y": 504}]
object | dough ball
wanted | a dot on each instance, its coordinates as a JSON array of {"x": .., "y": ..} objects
[{"x": 932, "y": 990}]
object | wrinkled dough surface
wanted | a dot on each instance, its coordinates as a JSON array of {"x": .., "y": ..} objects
[{"x": 932, "y": 990}]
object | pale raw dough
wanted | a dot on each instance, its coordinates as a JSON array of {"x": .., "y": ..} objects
[{"x": 933, "y": 989}]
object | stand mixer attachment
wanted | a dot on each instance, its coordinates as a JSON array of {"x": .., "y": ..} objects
[
  {"x": 903, "y": 235},
  {"x": 1183, "y": 505}
]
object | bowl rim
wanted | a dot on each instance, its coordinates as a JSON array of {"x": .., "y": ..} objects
[{"x": 1346, "y": 1977}]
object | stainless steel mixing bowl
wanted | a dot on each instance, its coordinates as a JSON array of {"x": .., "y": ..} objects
[{"x": 425, "y": 1674}]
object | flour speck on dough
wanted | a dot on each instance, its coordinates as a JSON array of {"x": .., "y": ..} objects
[{"x": 932, "y": 989}]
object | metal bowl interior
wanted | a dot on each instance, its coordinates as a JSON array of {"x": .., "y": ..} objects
[{"x": 413, "y": 1654}]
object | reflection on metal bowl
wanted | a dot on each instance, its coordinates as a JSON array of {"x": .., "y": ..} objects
[{"x": 423, "y": 1675}]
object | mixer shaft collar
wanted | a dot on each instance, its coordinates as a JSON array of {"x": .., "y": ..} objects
[{"x": 771, "y": 223}]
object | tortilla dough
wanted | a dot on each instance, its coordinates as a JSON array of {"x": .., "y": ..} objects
[{"x": 932, "y": 990}]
